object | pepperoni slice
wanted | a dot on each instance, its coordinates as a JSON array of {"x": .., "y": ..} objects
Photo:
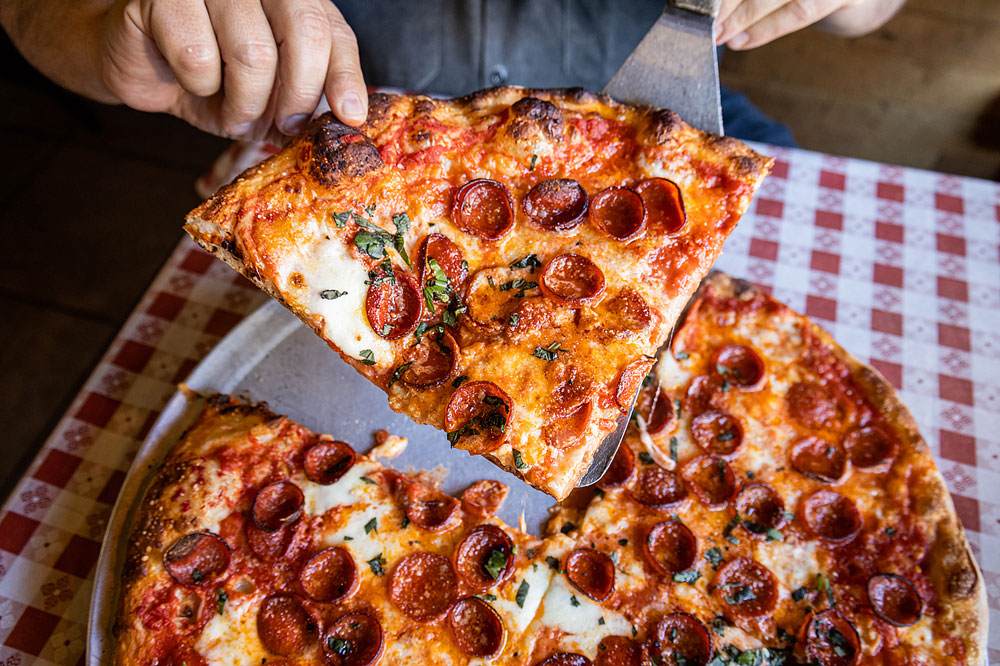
[
  {"x": 831, "y": 640},
  {"x": 430, "y": 362},
  {"x": 620, "y": 470},
  {"x": 329, "y": 576},
  {"x": 619, "y": 213},
  {"x": 449, "y": 258},
  {"x": 660, "y": 413},
  {"x": 664, "y": 205},
  {"x": 627, "y": 315},
  {"x": 476, "y": 417},
  {"x": 818, "y": 459},
  {"x": 484, "y": 497},
  {"x": 670, "y": 547},
  {"x": 477, "y": 628},
  {"x": 568, "y": 431},
  {"x": 895, "y": 599},
  {"x": 679, "y": 638},
  {"x": 327, "y": 461},
  {"x": 558, "y": 204},
  {"x": 393, "y": 306},
  {"x": 482, "y": 208},
  {"x": 572, "y": 386},
  {"x": 717, "y": 432},
  {"x": 572, "y": 279},
  {"x": 423, "y": 586},
  {"x": 428, "y": 509},
  {"x": 656, "y": 486},
  {"x": 277, "y": 504},
  {"x": 564, "y": 659},
  {"x": 485, "y": 557},
  {"x": 811, "y": 405},
  {"x": 354, "y": 640},
  {"x": 831, "y": 516},
  {"x": 710, "y": 479},
  {"x": 284, "y": 625},
  {"x": 746, "y": 588},
  {"x": 197, "y": 558},
  {"x": 592, "y": 572},
  {"x": 618, "y": 651},
  {"x": 740, "y": 366},
  {"x": 705, "y": 392},
  {"x": 759, "y": 504},
  {"x": 268, "y": 546},
  {"x": 630, "y": 381},
  {"x": 869, "y": 446}
]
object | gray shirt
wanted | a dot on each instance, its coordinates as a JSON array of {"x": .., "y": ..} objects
[{"x": 454, "y": 46}]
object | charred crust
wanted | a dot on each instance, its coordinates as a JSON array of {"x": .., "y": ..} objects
[
  {"x": 339, "y": 151},
  {"x": 962, "y": 580},
  {"x": 379, "y": 104},
  {"x": 663, "y": 125},
  {"x": 531, "y": 114},
  {"x": 424, "y": 107}
]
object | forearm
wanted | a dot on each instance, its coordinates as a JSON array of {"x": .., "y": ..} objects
[
  {"x": 60, "y": 38},
  {"x": 861, "y": 18}
]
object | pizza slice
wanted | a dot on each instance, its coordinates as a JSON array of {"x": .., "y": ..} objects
[
  {"x": 501, "y": 264},
  {"x": 775, "y": 505},
  {"x": 260, "y": 541}
]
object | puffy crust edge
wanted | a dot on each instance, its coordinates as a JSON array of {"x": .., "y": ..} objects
[
  {"x": 155, "y": 516},
  {"x": 955, "y": 572},
  {"x": 655, "y": 126}
]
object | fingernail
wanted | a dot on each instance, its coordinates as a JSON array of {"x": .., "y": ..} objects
[
  {"x": 351, "y": 105},
  {"x": 241, "y": 129},
  {"x": 738, "y": 41},
  {"x": 292, "y": 124}
]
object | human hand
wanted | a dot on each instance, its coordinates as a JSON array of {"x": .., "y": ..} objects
[
  {"x": 745, "y": 24},
  {"x": 245, "y": 69}
]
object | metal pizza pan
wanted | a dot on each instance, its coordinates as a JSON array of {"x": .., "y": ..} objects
[{"x": 272, "y": 357}]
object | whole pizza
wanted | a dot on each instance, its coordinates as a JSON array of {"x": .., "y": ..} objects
[
  {"x": 773, "y": 503},
  {"x": 503, "y": 265}
]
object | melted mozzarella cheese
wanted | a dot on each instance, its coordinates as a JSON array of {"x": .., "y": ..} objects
[
  {"x": 794, "y": 564},
  {"x": 325, "y": 262},
  {"x": 230, "y": 638},
  {"x": 584, "y": 621},
  {"x": 349, "y": 489},
  {"x": 517, "y": 618},
  {"x": 362, "y": 537}
]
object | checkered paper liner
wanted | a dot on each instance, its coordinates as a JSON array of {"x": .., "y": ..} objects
[{"x": 901, "y": 266}]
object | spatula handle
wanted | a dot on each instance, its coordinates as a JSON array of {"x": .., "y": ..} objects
[{"x": 706, "y": 7}]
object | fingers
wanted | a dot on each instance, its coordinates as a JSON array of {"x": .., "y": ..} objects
[
  {"x": 304, "y": 36},
  {"x": 345, "y": 85},
  {"x": 788, "y": 18},
  {"x": 250, "y": 54},
  {"x": 182, "y": 32}
]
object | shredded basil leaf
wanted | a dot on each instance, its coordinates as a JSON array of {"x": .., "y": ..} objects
[
  {"x": 221, "y": 599},
  {"x": 495, "y": 563},
  {"x": 689, "y": 577},
  {"x": 377, "y": 565},
  {"x": 522, "y": 593},
  {"x": 331, "y": 294},
  {"x": 549, "y": 353},
  {"x": 367, "y": 357},
  {"x": 399, "y": 373}
]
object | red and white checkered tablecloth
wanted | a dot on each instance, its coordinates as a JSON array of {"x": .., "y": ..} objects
[{"x": 901, "y": 265}]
